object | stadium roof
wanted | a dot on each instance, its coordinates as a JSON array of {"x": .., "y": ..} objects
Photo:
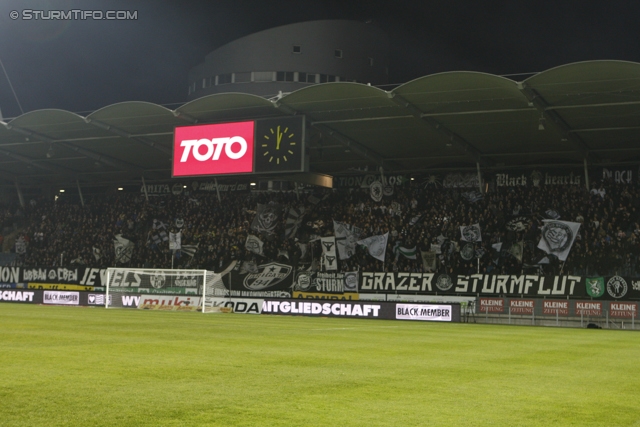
[{"x": 443, "y": 121}]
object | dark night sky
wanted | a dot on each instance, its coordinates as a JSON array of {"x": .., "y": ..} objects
[{"x": 84, "y": 65}]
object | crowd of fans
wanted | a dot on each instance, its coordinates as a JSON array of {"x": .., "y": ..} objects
[{"x": 419, "y": 215}]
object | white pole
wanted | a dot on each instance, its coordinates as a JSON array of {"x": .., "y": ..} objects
[
  {"x": 106, "y": 297},
  {"x": 217, "y": 189},
  {"x": 586, "y": 174},
  {"x": 80, "y": 193},
  {"x": 204, "y": 288},
  {"x": 144, "y": 187}
]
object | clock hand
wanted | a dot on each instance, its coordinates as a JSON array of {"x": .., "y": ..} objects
[{"x": 279, "y": 139}]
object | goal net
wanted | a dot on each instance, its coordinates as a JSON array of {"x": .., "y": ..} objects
[{"x": 159, "y": 289}]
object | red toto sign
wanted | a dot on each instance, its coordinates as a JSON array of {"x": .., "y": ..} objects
[{"x": 213, "y": 149}]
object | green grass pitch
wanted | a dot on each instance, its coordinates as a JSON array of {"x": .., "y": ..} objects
[{"x": 62, "y": 366}]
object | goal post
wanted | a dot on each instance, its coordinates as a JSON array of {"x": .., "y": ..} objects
[{"x": 161, "y": 289}]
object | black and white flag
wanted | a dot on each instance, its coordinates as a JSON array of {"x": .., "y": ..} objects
[
  {"x": 471, "y": 233},
  {"x": 415, "y": 220},
  {"x": 467, "y": 252},
  {"x": 96, "y": 253},
  {"x": 346, "y": 238},
  {"x": 429, "y": 260},
  {"x": 553, "y": 214},
  {"x": 189, "y": 250},
  {"x": 558, "y": 237},
  {"x": 266, "y": 218},
  {"x": 520, "y": 223},
  {"x": 472, "y": 196},
  {"x": 376, "y": 245},
  {"x": 294, "y": 220},
  {"x": 329, "y": 258},
  {"x": 376, "y": 191},
  {"x": 123, "y": 248},
  {"x": 517, "y": 249},
  {"x": 254, "y": 244},
  {"x": 21, "y": 245}
]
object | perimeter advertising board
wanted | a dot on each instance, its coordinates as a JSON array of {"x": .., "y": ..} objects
[
  {"x": 367, "y": 310},
  {"x": 369, "y": 283},
  {"x": 33, "y": 297}
]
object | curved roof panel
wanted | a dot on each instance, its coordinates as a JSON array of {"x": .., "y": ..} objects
[
  {"x": 456, "y": 118},
  {"x": 224, "y": 107},
  {"x": 456, "y": 92},
  {"x": 342, "y": 101}
]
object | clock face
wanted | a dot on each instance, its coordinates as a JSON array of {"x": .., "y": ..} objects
[{"x": 279, "y": 145}]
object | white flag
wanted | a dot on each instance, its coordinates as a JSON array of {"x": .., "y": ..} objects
[
  {"x": 471, "y": 233},
  {"x": 254, "y": 244},
  {"x": 346, "y": 238},
  {"x": 329, "y": 258},
  {"x": 558, "y": 237},
  {"x": 175, "y": 241},
  {"x": 376, "y": 245}
]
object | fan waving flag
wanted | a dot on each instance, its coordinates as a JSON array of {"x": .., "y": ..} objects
[
  {"x": 376, "y": 245},
  {"x": 471, "y": 233},
  {"x": 175, "y": 241},
  {"x": 558, "y": 237},
  {"x": 409, "y": 253},
  {"x": 346, "y": 238},
  {"x": 294, "y": 220},
  {"x": 266, "y": 218},
  {"x": 123, "y": 248}
]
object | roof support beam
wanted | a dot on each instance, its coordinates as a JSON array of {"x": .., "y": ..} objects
[
  {"x": 345, "y": 141},
  {"x": 606, "y": 104},
  {"x": 604, "y": 129},
  {"x": 118, "y": 164},
  {"x": 31, "y": 162},
  {"x": 553, "y": 117},
  {"x": 120, "y": 132},
  {"x": 456, "y": 140},
  {"x": 184, "y": 116}
]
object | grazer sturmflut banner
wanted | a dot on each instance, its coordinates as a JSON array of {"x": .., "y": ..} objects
[{"x": 487, "y": 285}]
